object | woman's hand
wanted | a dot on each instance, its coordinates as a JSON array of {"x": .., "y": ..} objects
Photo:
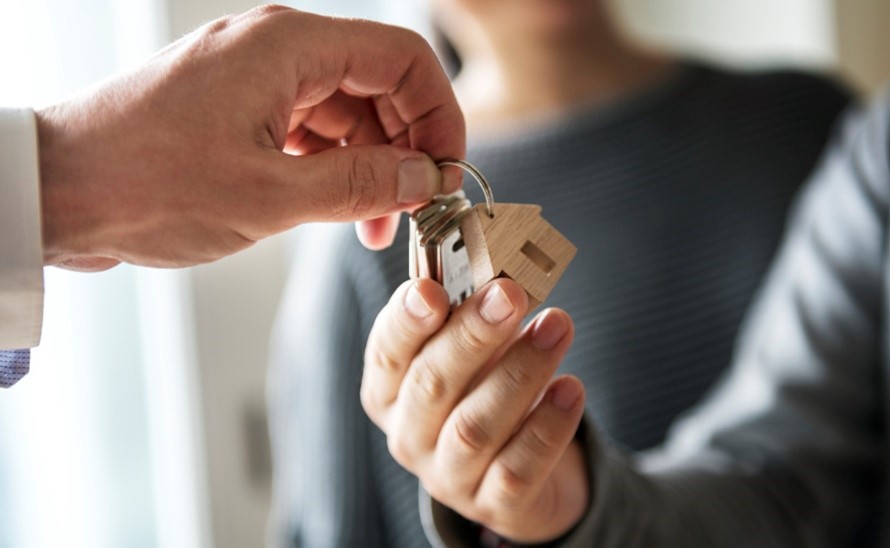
[{"x": 469, "y": 405}]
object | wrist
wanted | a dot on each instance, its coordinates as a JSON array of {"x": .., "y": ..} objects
[
  {"x": 55, "y": 203},
  {"x": 68, "y": 212}
]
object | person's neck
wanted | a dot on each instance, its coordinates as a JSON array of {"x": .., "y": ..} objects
[{"x": 514, "y": 78}]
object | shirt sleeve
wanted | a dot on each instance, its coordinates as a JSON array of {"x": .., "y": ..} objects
[
  {"x": 21, "y": 250},
  {"x": 786, "y": 451}
]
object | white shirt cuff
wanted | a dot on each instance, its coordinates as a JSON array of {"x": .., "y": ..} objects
[{"x": 21, "y": 247}]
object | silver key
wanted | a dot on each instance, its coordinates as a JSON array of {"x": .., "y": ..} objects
[{"x": 437, "y": 247}]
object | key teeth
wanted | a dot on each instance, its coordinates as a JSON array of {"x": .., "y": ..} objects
[
  {"x": 435, "y": 246},
  {"x": 461, "y": 250}
]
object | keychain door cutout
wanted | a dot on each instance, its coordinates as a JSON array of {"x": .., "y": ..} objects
[{"x": 519, "y": 244}]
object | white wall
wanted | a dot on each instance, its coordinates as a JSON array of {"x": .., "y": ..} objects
[
  {"x": 850, "y": 35},
  {"x": 750, "y": 32},
  {"x": 235, "y": 300}
]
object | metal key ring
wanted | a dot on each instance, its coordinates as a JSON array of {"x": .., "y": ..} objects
[{"x": 483, "y": 182}]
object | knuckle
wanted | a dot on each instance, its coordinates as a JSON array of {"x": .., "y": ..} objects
[
  {"x": 541, "y": 442},
  {"x": 272, "y": 19},
  {"x": 383, "y": 361},
  {"x": 267, "y": 10},
  {"x": 470, "y": 434},
  {"x": 517, "y": 376},
  {"x": 434, "y": 489},
  {"x": 429, "y": 381},
  {"x": 483, "y": 515},
  {"x": 368, "y": 400},
  {"x": 510, "y": 487},
  {"x": 202, "y": 40},
  {"x": 467, "y": 340},
  {"x": 401, "y": 450},
  {"x": 416, "y": 41},
  {"x": 407, "y": 38},
  {"x": 355, "y": 197},
  {"x": 440, "y": 486},
  {"x": 217, "y": 26},
  {"x": 204, "y": 35},
  {"x": 360, "y": 187}
]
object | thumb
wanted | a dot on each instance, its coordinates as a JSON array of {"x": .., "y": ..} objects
[{"x": 359, "y": 182}]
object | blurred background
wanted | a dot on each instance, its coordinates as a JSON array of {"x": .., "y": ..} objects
[{"x": 142, "y": 422}]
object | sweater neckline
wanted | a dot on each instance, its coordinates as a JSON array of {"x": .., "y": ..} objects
[{"x": 541, "y": 128}]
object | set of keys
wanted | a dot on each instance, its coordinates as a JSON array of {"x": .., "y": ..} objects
[{"x": 463, "y": 246}]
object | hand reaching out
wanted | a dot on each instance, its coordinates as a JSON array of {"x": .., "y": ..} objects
[
  {"x": 234, "y": 133},
  {"x": 469, "y": 405}
]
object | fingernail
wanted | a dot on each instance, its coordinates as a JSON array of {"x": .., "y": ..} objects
[
  {"x": 416, "y": 305},
  {"x": 496, "y": 307},
  {"x": 550, "y": 329},
  {"x": 565, "y": 395},
  {"x": 419, "y": 180}
]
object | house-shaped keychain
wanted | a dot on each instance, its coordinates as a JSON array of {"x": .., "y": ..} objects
[{"x": 516, "y": 242}]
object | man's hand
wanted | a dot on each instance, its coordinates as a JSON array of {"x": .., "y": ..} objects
[
  {"x": 234, "y": 133},
  {"x": 469, "y": 406}
]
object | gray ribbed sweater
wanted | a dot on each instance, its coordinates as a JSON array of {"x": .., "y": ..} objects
[{"x": 675, "y": 198}]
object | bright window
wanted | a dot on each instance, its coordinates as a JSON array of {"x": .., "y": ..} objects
[{"x": 94, "y": 451}]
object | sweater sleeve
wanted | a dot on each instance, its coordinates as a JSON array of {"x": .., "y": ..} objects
[
  {"x": 786, "y": 449},
  {"x": 21, "y": 250}
]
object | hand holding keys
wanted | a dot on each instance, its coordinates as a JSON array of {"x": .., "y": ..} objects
[
  {"x": 463, "y": 246},
  {"x": 467, "y": 396}
]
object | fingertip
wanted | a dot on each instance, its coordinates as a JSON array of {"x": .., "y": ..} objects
[
  {"x": 559, "y": 313},
  {"x": 566, "y": 392},
  {"x": 86, "y": 264},
  {"x": 423, "y": 299},
  {"x": 419, "y": 179},
  {"x": 552, "y": 328},
  {"x": 566, "y": 317},
  {"x": 514, "y": 292},
  {"x": 414, "y": 303},
  {"x": 378, "y": 234},
  {"x": 434, "y": 295}
]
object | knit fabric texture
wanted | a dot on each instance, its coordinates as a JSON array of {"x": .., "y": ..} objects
[{"x": 675, "y": 197}]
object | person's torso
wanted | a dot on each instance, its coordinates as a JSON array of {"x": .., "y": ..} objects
[{"x": 675, "y": 200}]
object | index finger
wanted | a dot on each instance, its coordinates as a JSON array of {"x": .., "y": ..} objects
[
  {"x": 416, "y": 310},
  {"x": 372, "y": 59}
]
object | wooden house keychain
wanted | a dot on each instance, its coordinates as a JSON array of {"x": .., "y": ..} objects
[{"x": 463, "y": 246}]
